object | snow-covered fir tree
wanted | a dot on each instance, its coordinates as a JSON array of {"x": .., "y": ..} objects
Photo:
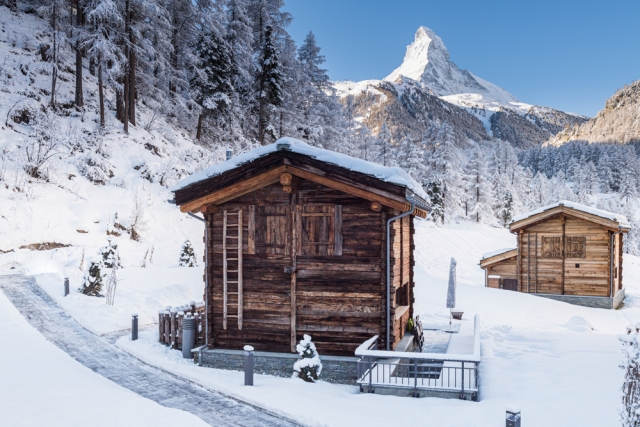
[
  {"x": 92, "y": 283},
  {"x": 309, "y": 366},
  {"x": 187, "y": 255},
  {"x": 269, "y": 80}
]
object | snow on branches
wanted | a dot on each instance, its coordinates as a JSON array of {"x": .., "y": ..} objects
[
  {"x": 188, "y": 255},
  {"x": 630, "y": 410},
  {"x": 309, "y": 366}
]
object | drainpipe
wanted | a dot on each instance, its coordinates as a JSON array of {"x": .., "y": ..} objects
[
  {"x": 206, "y": 281},
  {"x": 389, "y": 221},
  {"x": 611, "y": 262}
]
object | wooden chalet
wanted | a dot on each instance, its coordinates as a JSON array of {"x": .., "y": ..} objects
[
  {"x": 565, "y": 251},
  {"x": 296, "y": 243}
]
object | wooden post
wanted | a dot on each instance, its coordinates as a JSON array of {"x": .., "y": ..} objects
[
  {"x": 518, "y": 266},
  {"x": 563, "y": 254},
  {"x": 294, "y": 252},
  {"x": 240, "y": 270},
  {"x": 224, "y": 271},
  {"x": 528, "y": 262},
  {"x": 174, "y": 327},
  {"x": 536, "y": 263},
  {"x": 160, "y": 327}
]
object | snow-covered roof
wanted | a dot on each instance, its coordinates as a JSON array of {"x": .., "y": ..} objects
[
  {"x": 620, "y": 219},
  {"x": 392, "y": 175},
  {"x": 497, "y": 252}
]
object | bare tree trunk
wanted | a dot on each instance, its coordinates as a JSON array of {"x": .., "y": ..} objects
[
  {"x": 199, "y": 131},
  {"x": 79, "y": 23},
  {"x": 261, "y": 120},
  {"x": 125, "y": 115},
  {"x": 119, "y": 105},
  {"x": 101, "y": 96},
  {"x": 54, "y": 74},
  {"x": 132, "y": 86}
]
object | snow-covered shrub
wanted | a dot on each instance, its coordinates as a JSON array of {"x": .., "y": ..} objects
[
  {"x": 95, "y": 168},
  {"x": 630, "y": 410},
  {"x": 137, "y": 223},
  {"x": 110, "y": 256},
  {"x": 309, "y": 366},
  {"x": 188, "y": 255},
  {"x": 42, "y": 145},
  {"x": 92, "y": 285}
]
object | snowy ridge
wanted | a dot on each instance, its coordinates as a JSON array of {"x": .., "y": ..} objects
[
  {"x": 496, "y": 252},
  {"x": 393, "y": 175},
  {"x": 620, "y": 219}
]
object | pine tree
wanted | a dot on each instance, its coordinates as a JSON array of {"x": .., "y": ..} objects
[
  {"x": 110, "y": 256},
  {"x": 480, "y": 190},
  {"x": 309, "y": 56},
  {"x": 269, "y": 80},
  {"x": 92, "y": 285},
  {"x": 309, "y": 366},
  {"x": 187, "y": 255},
  {"x": 56, "y": 12},
  {"x": 382, "y": 146},
  {"x": 211, "y": 82},
  {"x": 435, "y": 190},
  {"x": 506, "y": 213}
]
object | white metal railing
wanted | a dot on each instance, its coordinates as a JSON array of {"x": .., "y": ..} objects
[{"x": 420, "y": 371}]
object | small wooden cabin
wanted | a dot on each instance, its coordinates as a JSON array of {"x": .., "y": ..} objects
[
  {"x": 296, "y": 244},
  {"x": 565, "y": 251}
]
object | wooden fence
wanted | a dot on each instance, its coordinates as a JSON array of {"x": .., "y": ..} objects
[{"x": 170, "y": 324}]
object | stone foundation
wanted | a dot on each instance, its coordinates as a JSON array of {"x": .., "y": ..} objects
[
  {"x": 335, "y": 369},
  {"x": 593, "y": 302}
]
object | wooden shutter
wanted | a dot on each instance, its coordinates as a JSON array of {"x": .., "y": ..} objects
[
  {"x": 576, "y": 247},
  {"x": 271, "y": 229},
  {"x": 320, "y": 230},
  {"x": 551, "y": 247}
]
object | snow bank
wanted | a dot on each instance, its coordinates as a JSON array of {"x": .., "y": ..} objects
[
  {"x": 43, "y": 386},
  {"x": 620, "y": 219},
  {"x": 392, "y": 175}
]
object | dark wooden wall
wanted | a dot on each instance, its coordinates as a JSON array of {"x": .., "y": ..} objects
[{"x": 338, "y": 286}]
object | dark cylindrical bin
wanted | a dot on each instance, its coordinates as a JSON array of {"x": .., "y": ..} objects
[
  {"x": 248, "y": 365},
  {"x": 513, "y": 418},
  {"x": 134, "y": 327},
  {"x": 188, "y": 335},
  {"x": 66, "y": 286}
]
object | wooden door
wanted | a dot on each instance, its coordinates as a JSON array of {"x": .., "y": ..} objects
[{"x": 510, "y": 284}]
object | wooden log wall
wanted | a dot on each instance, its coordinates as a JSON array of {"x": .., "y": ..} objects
[
  {"x": 506, "y": 269},
  {"x": 338, "y": 299},
  {"x": 560, "y": 270}
]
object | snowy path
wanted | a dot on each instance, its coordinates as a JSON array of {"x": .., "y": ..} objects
[{"x": 123, "y": 369}]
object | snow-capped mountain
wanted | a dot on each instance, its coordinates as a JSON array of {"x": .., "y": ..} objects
[
  {"x": 618, "y": 122},
  {"x": 428, "y": 61},
  {"x": 427, "y": 72}
]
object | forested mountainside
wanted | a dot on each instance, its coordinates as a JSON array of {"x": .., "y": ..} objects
[
  {"x": 108, "y": 110},
  {"x": 617, "y": 123},
  {"x": 407, "y": 110}
]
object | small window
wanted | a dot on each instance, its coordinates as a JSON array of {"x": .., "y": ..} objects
[
  {"x": 576, "y": 247},
  {"x": 320, "y": 230},
  {"x": 551, "y": 247},
  {"x": 402, "y": 295}
]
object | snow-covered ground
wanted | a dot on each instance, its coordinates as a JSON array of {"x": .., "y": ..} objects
[
  {"x": 555, "y": 361},
  {"x": 43, "y": 386}
]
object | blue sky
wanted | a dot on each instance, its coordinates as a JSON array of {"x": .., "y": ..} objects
[{"x": 565, "y": 54}]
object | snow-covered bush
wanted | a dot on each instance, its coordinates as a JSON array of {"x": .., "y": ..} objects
[
  {"x": 188, "y": 255},
  {"x": 92, "y": 285},
  {"x": 42, "y": 144},
  {"x": 110, "y": 256},
  {"x": 630, "y": 410},
  {"x": 95, "y": 168},
  {"x": 309, "y": 366}
]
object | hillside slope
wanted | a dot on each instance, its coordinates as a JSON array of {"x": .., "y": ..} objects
[{"x": 618, "y": 122}]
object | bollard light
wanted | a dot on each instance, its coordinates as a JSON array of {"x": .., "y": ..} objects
[
  {"x": 248, "y": 365},
  {"x": 229, "y": 153},
  {"x": 66, "y": 286},
  {"x": 134, "y": 327},
  {"x": 513, "y": 417},
  {"x": 188, "y": 335}
]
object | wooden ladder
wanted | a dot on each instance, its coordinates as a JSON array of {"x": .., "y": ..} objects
[{"x": 233, "y": 245}]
